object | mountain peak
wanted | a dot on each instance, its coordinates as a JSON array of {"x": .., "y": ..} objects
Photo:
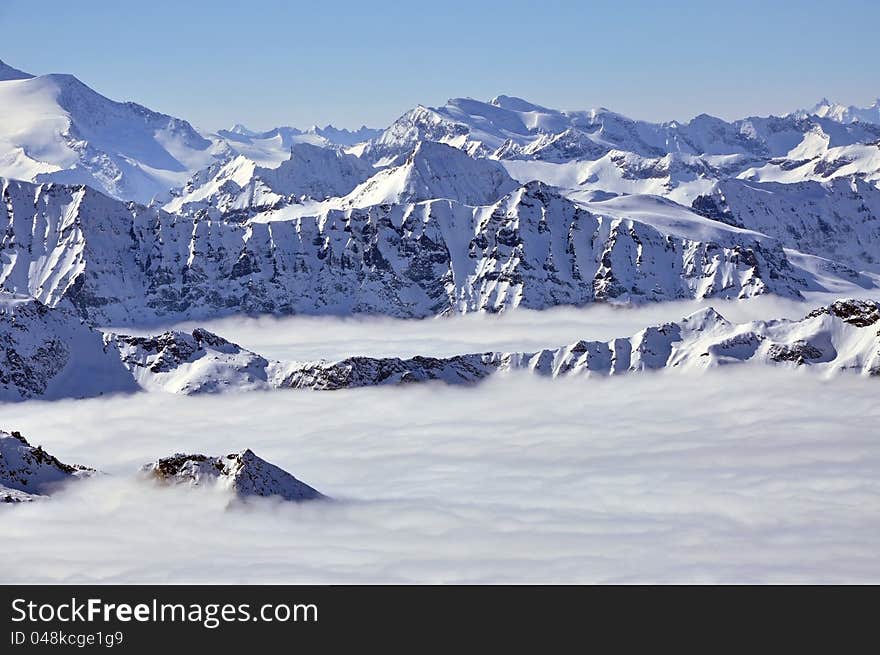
[
  {"x": 238, "y": 128},
  {"x": 243, "y": 473}
]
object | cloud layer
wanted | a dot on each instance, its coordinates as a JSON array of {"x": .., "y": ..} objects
[{"x": 735, "y": 475}]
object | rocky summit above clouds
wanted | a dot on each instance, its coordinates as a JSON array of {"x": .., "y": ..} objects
[
  {"x": 242, "y": 474},
  {"x": 29, "y": 473}
]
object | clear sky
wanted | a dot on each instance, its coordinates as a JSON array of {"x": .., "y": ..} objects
[{"x": 348, "y": 62}]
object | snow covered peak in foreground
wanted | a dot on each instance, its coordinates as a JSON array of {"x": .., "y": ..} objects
[
  {"x": 196, "y": 362},
  {"x": 243, "y": 474},
  {"x": 28, "y": 473}
]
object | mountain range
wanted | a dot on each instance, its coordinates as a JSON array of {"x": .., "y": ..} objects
[{"x": 115, "y": 214}]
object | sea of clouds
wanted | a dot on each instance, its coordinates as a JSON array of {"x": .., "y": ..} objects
[{"x": 739, "y": 475}]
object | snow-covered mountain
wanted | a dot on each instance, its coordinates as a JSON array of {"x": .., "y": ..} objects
[
  {"x": 55, "y": 128},
  {"x": 29, "y": 473},
  {"x": 242, "y": 474},
  {"x": 472, "y": 206},
  {"x": 434, "y": 171},
  {"x": 513, "y": 128}
]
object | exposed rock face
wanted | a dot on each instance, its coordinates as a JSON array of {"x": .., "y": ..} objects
[
  {"x": 29, "y": 473},
  {"x": 860, "y": 313},
  {"x": 243, "y": 474}
]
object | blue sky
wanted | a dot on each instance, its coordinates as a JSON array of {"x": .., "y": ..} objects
[{"x": 347, "y": 62}]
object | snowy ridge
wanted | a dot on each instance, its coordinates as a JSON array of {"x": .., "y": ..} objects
[
  {"x": 119, "y": 263},
  {"x": 241, "y": 474},
  {"x": 846, "y": 113},
  {"x": 28, "y": 473},
  {"x": 840, "y": 337}
]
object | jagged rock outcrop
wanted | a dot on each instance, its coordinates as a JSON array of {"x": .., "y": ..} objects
[
  {"x": 29, "y": 473},
  {"x": 242, "y": 474}
]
